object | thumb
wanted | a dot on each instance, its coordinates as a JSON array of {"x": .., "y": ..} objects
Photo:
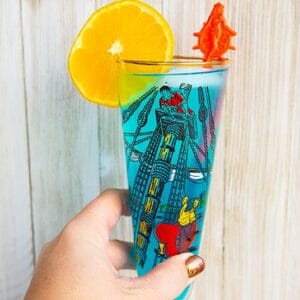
[{"x": 171, "y": 277}]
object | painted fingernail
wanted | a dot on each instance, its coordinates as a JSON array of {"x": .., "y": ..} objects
[{"x": 194, "y": 265}]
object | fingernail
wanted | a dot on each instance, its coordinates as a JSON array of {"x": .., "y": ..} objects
[{"x": 194, "y": 265}]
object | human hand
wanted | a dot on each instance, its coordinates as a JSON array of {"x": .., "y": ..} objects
[{"x": 82, "y": 263}]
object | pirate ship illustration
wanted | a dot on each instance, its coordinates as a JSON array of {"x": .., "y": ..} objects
[{"x": 160, "y": 151}]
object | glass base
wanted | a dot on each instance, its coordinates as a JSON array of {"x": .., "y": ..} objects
[{"x": 185, "y": 294}]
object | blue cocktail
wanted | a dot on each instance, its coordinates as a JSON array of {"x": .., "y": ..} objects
[{"x": 170, "y": 132}]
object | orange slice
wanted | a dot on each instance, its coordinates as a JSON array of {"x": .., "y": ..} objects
[{"x": 122, "y": 30}]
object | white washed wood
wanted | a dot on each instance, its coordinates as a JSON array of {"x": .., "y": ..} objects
[
  {"x": 261, "y": 121},
  {"x": 252, "y": 253},
  {"x": 63, "y": 134},
  {"x": 291, "y": 256},
  {"x": 16, "y": 255},
  {"x": 292, "y": 230}
]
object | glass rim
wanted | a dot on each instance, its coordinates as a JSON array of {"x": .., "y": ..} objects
[{"x": 180, "y": 61}]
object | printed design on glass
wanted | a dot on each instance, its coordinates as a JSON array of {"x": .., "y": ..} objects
[{"x": 169, "y": 146}]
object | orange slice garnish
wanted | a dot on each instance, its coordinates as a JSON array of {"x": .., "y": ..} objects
[{"x": 122, "y": 30}]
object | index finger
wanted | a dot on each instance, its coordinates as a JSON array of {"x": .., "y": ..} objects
[{"x": 104, "y": 212}]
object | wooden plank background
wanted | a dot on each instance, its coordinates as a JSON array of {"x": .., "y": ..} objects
[{"x": 57, "y": 151}]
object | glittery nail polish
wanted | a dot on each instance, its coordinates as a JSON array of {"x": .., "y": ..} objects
[{"x": 194, "y": 265}]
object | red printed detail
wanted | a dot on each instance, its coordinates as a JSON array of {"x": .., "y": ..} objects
[
  {"x": 176, "y": 239},
  {"x": 214, "y": 39},
  {"x": 167, "y": 234},
  {"x": 176, "y": 100}
]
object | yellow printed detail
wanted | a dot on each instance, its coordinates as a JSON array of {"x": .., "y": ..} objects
[
  {"x": 153, "y": 186},
  {"x": 149, "y": 205},
  {"x": 137, "y": 258},
  {"x": 143, "y": 227},
  {"x": 161, "y": 248},
  {"x": 167, "y": 138},
  {"x": 164, "y": 153},
  {"x": 187, "y": 217},
  {"x": 139, "y": 241}
]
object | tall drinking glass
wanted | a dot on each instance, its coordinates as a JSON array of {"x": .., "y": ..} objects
[{"x": 170, "y": 133}]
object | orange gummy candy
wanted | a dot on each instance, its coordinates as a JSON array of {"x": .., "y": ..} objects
[{"x": 214, "y": 39}]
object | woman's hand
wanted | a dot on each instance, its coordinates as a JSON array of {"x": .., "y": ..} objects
[{"x": 82, "y": 263}]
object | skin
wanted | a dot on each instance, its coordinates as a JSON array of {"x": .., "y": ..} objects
[{"x": 82, "y": 263}]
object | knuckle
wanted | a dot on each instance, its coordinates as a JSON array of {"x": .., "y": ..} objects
[{"x": 109, "y": 192}]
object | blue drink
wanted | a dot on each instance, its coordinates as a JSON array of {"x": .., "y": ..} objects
[{"x": 170, "y": 134}]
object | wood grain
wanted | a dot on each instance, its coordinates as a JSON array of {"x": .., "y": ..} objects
[
  {"x": 63, "y": 134},
  {"x": 16, "y": 255},
  {"x": 57, "y": 151},
  {"x": 290, "y": 250},
  {"x": 260, "y": 121}
]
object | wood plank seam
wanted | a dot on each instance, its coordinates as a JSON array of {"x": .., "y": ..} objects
[{"x": 27, "y": 134}]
